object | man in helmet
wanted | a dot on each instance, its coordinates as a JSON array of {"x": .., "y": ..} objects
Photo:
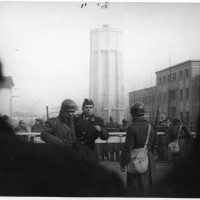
[
  {"x": 88, "y": 128},
  {"x": 60, "y": 130},
  {"x": 139, "y": 185}
]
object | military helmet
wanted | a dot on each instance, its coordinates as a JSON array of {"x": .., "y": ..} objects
[
  {"x": 68, "y": 105},
  {"x": 137, "y": 109},
  {"x": 176, "y": 120}
]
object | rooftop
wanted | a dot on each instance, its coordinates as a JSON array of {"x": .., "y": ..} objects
[
  {"x": 8, "y": 82},
  {"x": 188, "y": 61}
]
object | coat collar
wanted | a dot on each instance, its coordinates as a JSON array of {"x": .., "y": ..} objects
[
  {"x": 91, "y": 117},
  {"x": 139, "y": 119}
]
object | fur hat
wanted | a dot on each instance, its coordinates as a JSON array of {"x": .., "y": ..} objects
[{"x": 87, "y": 102}]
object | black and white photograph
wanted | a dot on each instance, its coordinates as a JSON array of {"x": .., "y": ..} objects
[{"x": 100, "y": 99}]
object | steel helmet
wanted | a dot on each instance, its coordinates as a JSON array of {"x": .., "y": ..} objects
[
  {"x": 137, "y": 109},
  {"x": 176, "y": 120},
  {"x": 68, "y": 105}
]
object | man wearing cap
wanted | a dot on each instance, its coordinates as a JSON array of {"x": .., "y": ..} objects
[
  {"x": 88, "y": 128},
  {"x": 60, "y": 130}
]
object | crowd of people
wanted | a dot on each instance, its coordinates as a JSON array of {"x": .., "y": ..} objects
[{"x": 67, "y": 165}]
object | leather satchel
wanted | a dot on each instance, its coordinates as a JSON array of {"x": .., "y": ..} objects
[
  {"x": 174, "y": 146},
  {"x": 139, "y": 161}
]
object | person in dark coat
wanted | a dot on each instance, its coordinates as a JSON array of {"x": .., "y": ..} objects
[
  {"x": 184, "y": 179},
  {"x": 60, "y": 130},
  {"x": 38, "y": 126},
  {"x": 88, "y": 128},
  {"x": 21, "y": 128},
  {"x": 184, "y": 140},
  {"x": 40, "y": 170},
  {"x": 139, "y": 185}
]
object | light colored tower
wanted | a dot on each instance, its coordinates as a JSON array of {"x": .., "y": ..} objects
[{"x": 106, "y": 72}]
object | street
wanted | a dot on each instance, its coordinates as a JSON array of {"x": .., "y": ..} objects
[{"x": 162, "y": 169}]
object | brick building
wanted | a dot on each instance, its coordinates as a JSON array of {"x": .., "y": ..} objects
[{"x": 177, "y": 93}]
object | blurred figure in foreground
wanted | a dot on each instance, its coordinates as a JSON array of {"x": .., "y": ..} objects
[
  {"x": 60, "y": 130},
  {"x": 88, "y": 128},
  {"x": 33, "y": 170},
  {"x": 139, "y": 185}
]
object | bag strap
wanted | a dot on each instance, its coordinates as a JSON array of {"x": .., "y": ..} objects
[
  {"x": 147, "y": 139},
  {"x": 179, "y": 131}
]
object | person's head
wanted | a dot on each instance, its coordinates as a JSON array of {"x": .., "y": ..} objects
[
  {"x": 21, "y": 123},
  {"x": 124, "y": 121},
  {"x": 176, "y": 120},
  {"x": 112, "y": 119},
  {"x": 68, "y": 107},
  {"x": 38, "y": 121},
  {"x": 88, "y": 107},
  {"x": 137, "y": 110}
]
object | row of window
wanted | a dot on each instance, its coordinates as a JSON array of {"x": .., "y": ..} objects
[
  {"x": 172, "y": 95},
  {"x": 145, "y": 100},
  {"x": 162, "y": 97},
  {"x": 171, "y": 77}
]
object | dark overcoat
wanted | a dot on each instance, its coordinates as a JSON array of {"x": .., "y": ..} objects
[
  {"x": 139, "y": 185},
  {"x": 87, "y": 134},
  {"x": 58, "y": 132},
  {"x": 185, "y": 142}
]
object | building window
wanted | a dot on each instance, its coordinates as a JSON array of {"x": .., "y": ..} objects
[
  {"x": 164, "y": 79},
  {"x": 173, "y": 95},
  {"x": 153, "y": 97},
  {"x": 187, "y": 116},
  {"x": 164, "y": 97},
  {"x": 181, "y": 75},
  {"x": 174, "y": 76},
  {"x": 159, "y": 80},
  {"x": 181, "y": 94},
  {"x": 169, "y": 78},
  {"x": 159, "y": 97},
  {"x": 186, "y": 73},
  {"x": 181, "y": 114},
  {"x": 187, "y": 93},
  {"x": 149, "y": 99}
]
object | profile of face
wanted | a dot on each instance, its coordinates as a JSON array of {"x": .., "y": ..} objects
[
  {"x": 88, "y": 110},
  {"x": 69, "y": 114}
]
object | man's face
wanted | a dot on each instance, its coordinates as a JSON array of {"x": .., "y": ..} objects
[
  {"x": 69, "y": 114},
  {"x": 22, "y": 124},
  {"x": 88, "y": 110}
]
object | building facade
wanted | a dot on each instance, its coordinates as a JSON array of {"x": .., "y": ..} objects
[
  {"x": 177, "y": 93},
  {"x": 106, "y": 73},
  {"x": 6, "y": 96},
  {"x": 178, "y": 90}
]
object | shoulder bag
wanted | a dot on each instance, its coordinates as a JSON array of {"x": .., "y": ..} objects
[
  {"x": 174, "y": 146},
  {"x": 138, "y": 163}
]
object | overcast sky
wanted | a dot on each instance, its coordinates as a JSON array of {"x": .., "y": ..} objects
[{"x": 45, "y": 46}]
